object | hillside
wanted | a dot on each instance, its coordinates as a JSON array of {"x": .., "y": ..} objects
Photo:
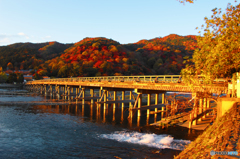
[
  {"x": 165, "y": 55},
  {"x": 30, "y": 55},
  {"x": 101, "y": 56}
]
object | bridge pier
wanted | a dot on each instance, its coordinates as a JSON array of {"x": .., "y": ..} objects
[
  {"x": 45, "y": 90},
  {"x": 83, "y": 96},
  {"x": 148, "y": 104},
  {"x": 163, "y": 98},
  {"x": 195, "y": 111},
  {"x": 92, "y": 95},
  {"x": 139, "y": 103},
  {"x": 200, "y": 108},
  {"x": 123, "y": 98}
]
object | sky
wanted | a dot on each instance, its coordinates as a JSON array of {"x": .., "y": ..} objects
[{"x": 125, "y": 21}]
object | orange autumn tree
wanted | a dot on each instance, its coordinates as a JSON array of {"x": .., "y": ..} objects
[{"x": 218, "y": 52}]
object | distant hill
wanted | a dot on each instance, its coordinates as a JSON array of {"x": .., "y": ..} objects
[
  {"x": 30, "y": 55},
  {"x": 164, "y": 55},
  {"x": 101, "y": 56},
  {"x": 95, "y": 57}
]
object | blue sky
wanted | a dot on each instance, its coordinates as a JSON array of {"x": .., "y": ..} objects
[{"x": 125, "y": 21}]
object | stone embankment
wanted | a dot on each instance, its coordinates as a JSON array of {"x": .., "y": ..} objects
[{"x": 223, "y": 135}]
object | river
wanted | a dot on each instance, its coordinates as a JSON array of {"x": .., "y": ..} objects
[{"x": 69, "y": 131}]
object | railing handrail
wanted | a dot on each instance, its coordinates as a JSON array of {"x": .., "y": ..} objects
[{"x": 138, "y": 78}]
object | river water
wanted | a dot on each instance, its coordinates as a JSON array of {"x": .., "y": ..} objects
[{"x": 74, "y": 131}]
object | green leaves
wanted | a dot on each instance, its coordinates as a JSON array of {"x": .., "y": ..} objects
[{"x": 219, "y": 48}]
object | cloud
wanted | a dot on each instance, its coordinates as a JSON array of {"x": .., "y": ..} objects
[
  {"x": 23, "y": 34},
  {"x": 6, "y": 39}
]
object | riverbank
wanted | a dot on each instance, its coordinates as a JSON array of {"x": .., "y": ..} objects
[{"x": 223, "y": 135}]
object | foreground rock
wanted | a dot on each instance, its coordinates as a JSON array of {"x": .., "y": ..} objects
[{"x": 223, "y": 135}]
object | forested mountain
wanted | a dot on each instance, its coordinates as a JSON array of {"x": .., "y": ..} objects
[
  {"x": 164, "y": 55},
  {"x": 101, "y": 56},
  {"x": 30, "y": 55}
]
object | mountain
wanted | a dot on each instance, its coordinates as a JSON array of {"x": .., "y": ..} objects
[
  {"x": 101, "y": 56},
  {"x": 164, "y": 55},
  {"x": 30, "y": 55},
  {"x": 95, "y": 57}
]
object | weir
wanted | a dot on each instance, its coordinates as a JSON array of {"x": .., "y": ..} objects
[{"x": 129, "y": 92}]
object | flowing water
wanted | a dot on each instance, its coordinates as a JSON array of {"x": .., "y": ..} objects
[{"x": 76, "y": 131}]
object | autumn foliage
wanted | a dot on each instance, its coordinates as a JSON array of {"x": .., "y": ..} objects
[{"x": 102, "y": 57}]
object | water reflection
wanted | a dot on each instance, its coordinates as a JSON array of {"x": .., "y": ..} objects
[{"x": 118, "y": 116}]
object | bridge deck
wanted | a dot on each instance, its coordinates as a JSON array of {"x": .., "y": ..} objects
[{"x": 131, "y": 82}]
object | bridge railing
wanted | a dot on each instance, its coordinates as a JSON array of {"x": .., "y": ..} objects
[{"x": 140, "y": 78}]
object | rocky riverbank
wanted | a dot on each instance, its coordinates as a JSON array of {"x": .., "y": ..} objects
[{"x": 223, "y": 135}]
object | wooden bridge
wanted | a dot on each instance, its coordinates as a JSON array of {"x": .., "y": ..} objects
[{"x": 75, "y": 88}]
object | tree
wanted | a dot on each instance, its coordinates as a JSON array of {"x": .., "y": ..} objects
[
  {"x": 10, "y": 66},
  {"x": 63, "y": 71},
  {"x": 12, "y": 78},
  {"x": 3, "y": 76},
  {"x": 20, "y": 78},
  {"x": 218, "y": 53}
]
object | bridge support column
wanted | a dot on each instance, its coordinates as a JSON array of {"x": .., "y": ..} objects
[
  {"x": 130, "y": 98},
  {"x": 139, "y": 104},
  {"x": 200, "y": 108},
  {"x": 163, "y": 98},
  {"x": 92, "y": 94},
  {"x": 162, "y": 113},
  {"x": 76, "y": 91},
  {"x": 208, "y": 104},
  {"x": 51, "y": 90},
  {"x": 123, "y": 98},
  {"x": 58, "y": 91},
  {"x": 195, "y": 111},
  {"x": 105, "y": 99},
  {"x": 100, "y": 93},
  {"x": 83, "y": 96},
  {"x": 65, "y": 92},
  {"x": 114, "y": 104},
  {"x": 41, "y": 87},
  {"x": 69, "y": 93},
  {"x": 130, "y": 116},
  {"x": 148, "y": 104},
  {"x": 45, "y": 90},
  {"x": 204, "y": 106}
]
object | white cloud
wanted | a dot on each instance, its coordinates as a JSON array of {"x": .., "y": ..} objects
[
  {"x": 21, "y": 34},
  {"x": 6, "y": 39}
]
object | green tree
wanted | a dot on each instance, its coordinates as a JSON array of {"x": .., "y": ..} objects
[
  {"x": 37, "y": 76},
  {"x": 63, "y": 72},
  {"x": 218, "y": 53},
  {"x": 20, "y": 78},
  {"x": 10, "y": 66},
  {"x": 3, "y": 76},
  {"x": 12, "y": 78}
]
